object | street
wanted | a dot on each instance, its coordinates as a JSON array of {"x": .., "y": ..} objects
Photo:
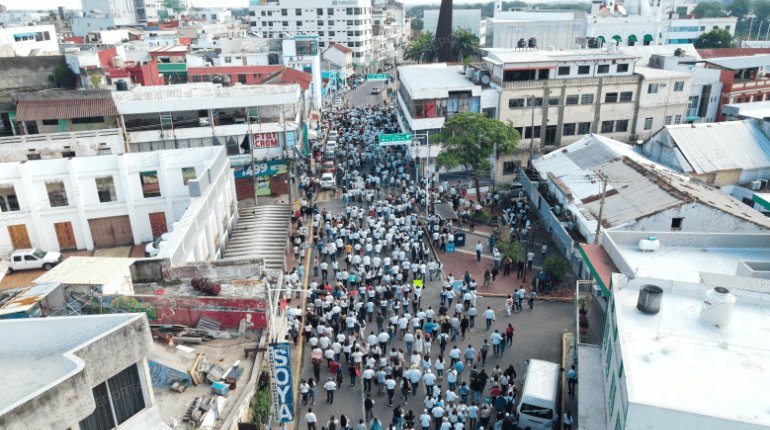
[{"x": 361, "y": 96}]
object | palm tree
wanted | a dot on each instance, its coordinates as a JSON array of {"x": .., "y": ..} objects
[
  {"x": 464, "y": 44},
  {"x": 422, "y": 49}
]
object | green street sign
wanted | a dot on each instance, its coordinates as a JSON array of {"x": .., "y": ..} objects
[
  {"x": 395, "y": 139},
  {"x": 377, "y": 77}
]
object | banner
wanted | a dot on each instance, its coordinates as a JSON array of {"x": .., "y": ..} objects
[
  {"x": 266, "y": 140},
  {"x": 279, "y": 359},
  {"x": 262, "y": 168}
]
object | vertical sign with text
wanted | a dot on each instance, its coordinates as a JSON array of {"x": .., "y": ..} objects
[{"x": 279, "y": 357}]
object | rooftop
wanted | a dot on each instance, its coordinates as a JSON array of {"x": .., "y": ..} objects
[
  {"x": 507, "y": 55},
  {"x": 731, "y": 52},
  {"x": 757, "y": 110},
  {"x": 27, "y": 299},
  {"x": 670, "y": 358},
  {"x": 64, "y": 104},
  {"x": 89, "y": 270},
  {"x": 703, "y": 146},
  {"x": 424, "y": 81},
  {"x": 651, "y": 73},
  {"x": 737, "y": 63}
]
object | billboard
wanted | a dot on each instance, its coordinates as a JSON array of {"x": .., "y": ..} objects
[
  {"x": 266, "y": 140},
  {"x": 279, "y": 359}
]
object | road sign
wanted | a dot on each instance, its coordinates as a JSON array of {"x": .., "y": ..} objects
[
  {"x": 377, "y": 77},
  {"x": 449, "y": 247},
  {"x": 395, "y": 139}
]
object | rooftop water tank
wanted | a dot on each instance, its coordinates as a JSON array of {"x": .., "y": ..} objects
[
  {"x": 717, "y": 309},
  {"x": 532, "y": 42},
  {"x": 650, "y": 298},
  {"x": 650, "y": 244},
  {"x": 521, "y": 44}
]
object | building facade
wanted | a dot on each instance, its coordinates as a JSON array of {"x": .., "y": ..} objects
[{"x": 22, "y": 41}]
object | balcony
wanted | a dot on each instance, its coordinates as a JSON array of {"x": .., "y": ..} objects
[
  {"x": 579, "y": 82},
  {"x": 57, "y": 145}
]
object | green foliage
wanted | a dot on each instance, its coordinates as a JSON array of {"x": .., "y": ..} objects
[
  {"x": 464, "y": 44},
  {"x": 422, "y": 49},
  {"x": 261, "y": 406},
  {"x": 718, "y": 38},
  {"x": 513, "y": 249},
  {"x": 63, "y": 77},
  {"x": 709, "y": 9},
  {"x": 417, "y": 24},
  {"x": 762, "y": 9},
  {"x": 96, "y": 81},
  {"x": 740, "y": 8},
  {"x": 555, "y": 267}
]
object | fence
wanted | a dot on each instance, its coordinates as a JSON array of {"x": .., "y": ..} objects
[{"x": 558, "y": 233}]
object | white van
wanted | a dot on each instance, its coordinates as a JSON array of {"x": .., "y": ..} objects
[{"x": 537, "y": 409}]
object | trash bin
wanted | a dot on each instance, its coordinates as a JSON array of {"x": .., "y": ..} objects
[{"x": 460, "y": 239}]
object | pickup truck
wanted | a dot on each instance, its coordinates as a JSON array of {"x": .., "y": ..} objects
[{"x": 31, "y": 258}]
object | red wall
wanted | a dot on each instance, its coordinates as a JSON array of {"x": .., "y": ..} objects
[{"x": 105, "y": 57}]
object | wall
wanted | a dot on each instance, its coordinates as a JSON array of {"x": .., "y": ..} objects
[
  {"x": 561, "y": 238},
  {"x": 559, "y": 34},
  {"x": 84, "y": 143},
  {"x": 697, "y": 218},
  {"x": 27, "y": 73}
]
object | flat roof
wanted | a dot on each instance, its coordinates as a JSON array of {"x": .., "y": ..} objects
[
  {"x": 758, "y": 110},
  {"x": 77, "y": 270},
  {"x": 424, "y": 81},
  {"x": 651, "y": 73},
  {"x": 36, "y": 353},
  {"x": 736, "y": 63},
  {"x": 674, "y": 361},
  {"x": 591, "y": 410},
  {"x": 509, "y": 55}
]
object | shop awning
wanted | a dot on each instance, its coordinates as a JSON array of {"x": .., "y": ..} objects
[
  {"x": 648, "y": 38},
  {"x": 617, "y": 38},
  {"x": 32, "y": 110},
  {"x": 601, "y": 39},
  {"x": 632, "y": 38}
]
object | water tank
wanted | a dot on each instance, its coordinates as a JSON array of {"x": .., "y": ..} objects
[
  {"x": 650, "y": 297},
  {"x": 592, "y": 42},
  {"x": 121, "y": 86},
  {"x": 678, "y": 52},
  {"x": 717, "y": 310},
  {"x": 118, "y": 62},
  {"x": 521, "y": 44},
  {"x": 650, "y": 244},
  {"x": 532, "y": 42}
]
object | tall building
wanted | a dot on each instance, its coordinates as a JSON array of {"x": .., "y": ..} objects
[{"x": 349, "y": 26}]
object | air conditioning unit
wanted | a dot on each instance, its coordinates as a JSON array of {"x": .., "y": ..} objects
[
  {"x": 597, "y": 290},
  {"x": 756, "y": 185},
  {"x": 764, "y": 184}
]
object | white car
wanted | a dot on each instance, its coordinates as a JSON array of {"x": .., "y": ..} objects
[
  {"x": 332, "y": 135},
  {"x": 153, "y": 248},
  {"x": 327, "y": 181},
  {"x": 31, "y": 258},
  {"x": 331, "y": 145}
]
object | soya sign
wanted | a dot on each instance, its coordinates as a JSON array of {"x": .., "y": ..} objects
[{"x": 279, "y": 357}]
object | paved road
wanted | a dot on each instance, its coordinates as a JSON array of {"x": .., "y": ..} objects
[
  {"x": 538, "y": 335},
  {"x": 362, "y": 96}
]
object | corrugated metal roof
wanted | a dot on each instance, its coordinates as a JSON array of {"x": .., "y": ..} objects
[
  {"x": 25, "y": 300},
  {"x": 77, "y": 270},
  {"x": 31, "y": 110},
  {"x": 730, "y": 52},
  {"x": 736, "y": 63},
  {"x": 721, "y": 146}
]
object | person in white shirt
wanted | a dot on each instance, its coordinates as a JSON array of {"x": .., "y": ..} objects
[
  {"x": 489, "y": 315},
  {"x": 330, "y": 386},
  {"x": 310, "y": 419}
]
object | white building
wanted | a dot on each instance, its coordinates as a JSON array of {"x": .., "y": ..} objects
[
  {"x": 349, "y": 24},
  {"x": 128, "y": 199},
  {"x": 550, "y": 29},
  {"x": 84, "y": 372},
  {"x": 649, "y": 371},
  {"x": 469, "y": 19},
  {"x": 214, "y": 15},
  {"x": 678, "y": 31},
  {"x": 23, "y": 41},
  {"x": 103, "y": 14}
]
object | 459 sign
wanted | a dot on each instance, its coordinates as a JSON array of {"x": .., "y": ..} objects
[{"x": 279, "y": 358}]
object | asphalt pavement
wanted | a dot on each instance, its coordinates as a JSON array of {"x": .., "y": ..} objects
[{"x": 362, "y": 96}]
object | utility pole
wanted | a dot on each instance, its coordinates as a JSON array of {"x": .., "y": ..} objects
[
  {"x": 532, "y": 133},
  {"x": 604, "y": 179},
  {"x": 251, "y": 150}
]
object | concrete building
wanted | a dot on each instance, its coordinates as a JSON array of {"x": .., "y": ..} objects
[
  {"x": 84, "y": 372},
  {"x": 103, "y": 14},
  {"x": 350, "y": 25},
  {"x": 687, "y": 30},
  {"x": 744, "y": 79},
  {"x": 114, "y": 200},
  {"x": 550, "y": 29},
  {"x": 469, "y": 19},
  {"x": 389, "y": 32},
  {"x": 23, "y": 41},
  {"x": 341, "y": 57},
  {"x": 648, "y": 372},
  {"x": 640, "y": 196}
]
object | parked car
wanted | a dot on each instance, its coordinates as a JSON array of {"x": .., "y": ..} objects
[
  {"x": 375, "y": 90},
  {"x": 152, "y": 248},
  {"x": 331, "y": 145},
  {"x": 32, "y": 258},
  {"x": 332, "y": 135},
  {"x": 329, "y": 155},
  {"x": 327, "y": 181},
  {"x": 328, "y": 167}
]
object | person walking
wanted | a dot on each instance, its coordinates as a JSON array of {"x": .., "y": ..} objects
[
  {"x": 369, "y": 407},
  {"x": 496, "y": 341},
  {"x": 484, "y": 352},
  {"x": 479, "y": 247},
  {"x": 530, "y": 260},
  {"x": 310, "y": 419},
  {"x": 509, "y": 334},
  {"x": 532, "y": 297},
  {"x": 571, "y": 381},
  {"x": 567, "y": 421},
  {"x": 519, "y": 269},
  {"x": 489, "y": 315},
  {"x": 330, "y": 386}
]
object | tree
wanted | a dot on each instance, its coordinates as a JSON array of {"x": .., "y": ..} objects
[
  {"x": 464, "y": 44},
  {"x": 422, "y": 49},
  {"x": 467, "y": 140},
  {"x": 718, "y": 38},
  {"x": 740, "y": 8},
  {"x": 511, "y": 248},
  {"x": 63, "y": 77},
  {"x": 555, "y": 267},
  {"x": 708, "y": 9},
  {"x": 762, "y": 9},
  {"x": 417, "y": 25}
]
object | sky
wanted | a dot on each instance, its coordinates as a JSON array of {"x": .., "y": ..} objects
[{"x": 75, "y": 4}]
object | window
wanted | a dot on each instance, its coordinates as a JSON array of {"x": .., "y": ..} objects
[
  {"x": 584, "y": 70},
  {"x": 584, "y": 127},
  {"x": 652, "y": 89},
  {"x": 553, "y": 101},
  {"x": 298, "y": 12},
  {"x": 105, "y": 189},
  {"x": 536, "y": 411},
  {"x": 537, "y": 101},
  {"x": 8, "y": 200},
  {"x": 332, "y": 33},
  {"x": 57, "y": 195},
  {"x": 586, "y": 99},
  {"x": 88, "y": 120},
  {"x": 613, "y": 390},
  {"x": 648, "y": 123},
  {"x": 626, "y": 96},
  {"x": 564, "y": 70},
  {"x": 678, "y": 119},
  {"x": 621, "y": 126},
  {"x": 510, "y": 167},
  {"x": 667, "y": 120},
  {"x": 50, "y": 122},
  {"x": 117, "y": 399},
  {"x": 299, "y": 23},
  {"x": 319, "y": 11},
  {"x": 528, "y": 132},
  {"x": 622, "y": 67},
  {"x": 150, "y": 184},
  {"x": 516, "y": 103},
  {"x": 678, "y": 86},
  {"x": 608, "y": 359},
  {"x": 34, "y": 156},
  {"x": 676, "y": 224},
  {"x": 67, "y": 154},
  {"x": 568, "y": 129},
  {"x": 572, "y": 100},
  {"x": 611, "y": 98},
  {"x": 607, "y": 126},
  {"x": 284, "y": 12},
  {"x": 349, "y": 11},
  {"x": 286, "y": 23},
  {"x": 603, "y": 68}
]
